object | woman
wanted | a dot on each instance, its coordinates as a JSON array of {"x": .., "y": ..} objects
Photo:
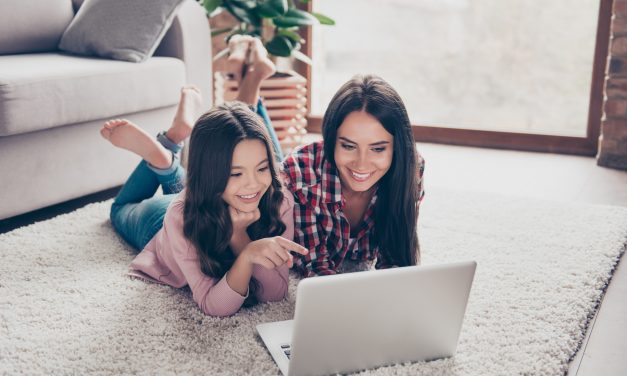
[{"x": 357, "y": 192}]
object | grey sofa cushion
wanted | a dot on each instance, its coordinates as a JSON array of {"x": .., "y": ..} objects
[
  {"x": 40, "y": 91},
  {"x": 128, "y": 30},
  {"x": 33, "y": 25}
]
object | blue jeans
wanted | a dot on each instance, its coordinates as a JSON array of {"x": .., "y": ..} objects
[{"x": 136, "y": 213}]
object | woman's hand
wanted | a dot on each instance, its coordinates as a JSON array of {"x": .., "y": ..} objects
[{"x": 272, "y": 252}]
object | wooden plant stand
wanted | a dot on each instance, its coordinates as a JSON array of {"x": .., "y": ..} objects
[{"x": 285, "y": 97}]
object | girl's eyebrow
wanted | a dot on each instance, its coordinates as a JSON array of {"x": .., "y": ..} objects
[
  {"x": 260, "y": 163},
  {"x": 373, "y": 144}
]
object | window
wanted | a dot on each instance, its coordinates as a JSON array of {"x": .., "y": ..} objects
[{"x": 516, "y": 66}]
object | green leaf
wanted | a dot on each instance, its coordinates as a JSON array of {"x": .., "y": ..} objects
[
  {"x": 324, "y": 20},
  {"x": 243, "y": 15},
  {"x": 238, "y": 13},
  {"x": 295, "y": 37},
  {"x": 295, "y": 17},
  {"x": 280, "y": 46},
  {"x": 211, "y": 5},
  {"x": 244, "y": 4},
  {"x": 272, "y": 8}
]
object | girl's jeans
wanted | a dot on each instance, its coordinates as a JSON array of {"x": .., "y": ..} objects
[{"x": 136, "y": 214}]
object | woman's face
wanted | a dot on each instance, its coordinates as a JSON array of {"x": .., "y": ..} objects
[
  {"x": 363, "y": 151},
  {"x": 250, "y": 176}
]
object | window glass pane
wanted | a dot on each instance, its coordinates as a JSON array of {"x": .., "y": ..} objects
[{"x": 515, "y": 66}]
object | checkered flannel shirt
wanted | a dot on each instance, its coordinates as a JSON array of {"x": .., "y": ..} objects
[{"x": 319, "y": 223}]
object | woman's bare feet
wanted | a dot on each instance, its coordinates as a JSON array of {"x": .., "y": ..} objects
[
  {"x": 260, "y": 68},
  {"x": 190, "y": 106},
  {"x": 239, "y": 46},
  {"x": 126, "y": 135}
]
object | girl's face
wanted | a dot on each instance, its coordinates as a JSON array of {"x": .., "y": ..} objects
[
  {"x": 363, "y": 151},
  {"x": 250, "y": 176}
]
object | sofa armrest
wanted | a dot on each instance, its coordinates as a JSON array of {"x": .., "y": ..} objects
[{"x": 189, "y": 39}]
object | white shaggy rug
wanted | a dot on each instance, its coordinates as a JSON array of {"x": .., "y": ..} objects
[{"x": 66, "y": 306}]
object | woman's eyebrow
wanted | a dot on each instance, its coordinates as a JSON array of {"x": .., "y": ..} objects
[
  {"x": 380, "y": 143},
  {"x": 373, "y": 144},
  {"x": 347, "y": 140}
]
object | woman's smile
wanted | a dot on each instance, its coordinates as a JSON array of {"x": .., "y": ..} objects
[
  {"x": 360, "y": 177},
  {"x": 363, "y": 151}
]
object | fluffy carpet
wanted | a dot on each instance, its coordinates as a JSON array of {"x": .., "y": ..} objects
[{"x": 66, "y": 306}]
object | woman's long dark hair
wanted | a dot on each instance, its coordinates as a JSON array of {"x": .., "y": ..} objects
[
  {"x": 207, "y": 222},
  {"x": 396, "y": 210}
]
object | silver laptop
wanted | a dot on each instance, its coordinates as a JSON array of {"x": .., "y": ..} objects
[{"x": 356, "y": 321}]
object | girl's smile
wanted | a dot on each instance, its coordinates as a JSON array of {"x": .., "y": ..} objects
[
  {"x": 250, "y": 176},
  {"x": 250, "y": 198}
]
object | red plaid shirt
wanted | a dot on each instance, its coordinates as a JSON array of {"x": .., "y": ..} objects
[{"x": 319, "y": 221}]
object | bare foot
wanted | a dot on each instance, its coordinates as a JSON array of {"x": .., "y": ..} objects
[
  {"x": 260, "y": 65},
  {"x": 188, "y": 111},
  {"x": 126, "y": 135},
  {"x": 239, "y": 46}
]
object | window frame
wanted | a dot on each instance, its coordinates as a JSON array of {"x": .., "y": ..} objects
[{"x": 587, "y": 145}]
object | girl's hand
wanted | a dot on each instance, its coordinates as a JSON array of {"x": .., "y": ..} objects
[
  {"x": 241, "y": 220},
  {"x": 272, "y": 252}
]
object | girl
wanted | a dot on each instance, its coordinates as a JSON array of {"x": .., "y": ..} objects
[
  {"x": 357, "y": 192},
  {"x": 226, "y": 234}
]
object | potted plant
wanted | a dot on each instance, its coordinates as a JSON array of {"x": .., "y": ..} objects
[{"x": 276, "y": 23}]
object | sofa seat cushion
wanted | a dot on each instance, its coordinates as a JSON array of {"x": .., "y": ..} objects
[{"x": 41, "y": 91}]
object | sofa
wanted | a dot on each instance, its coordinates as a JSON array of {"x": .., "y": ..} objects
[{"x": 52, "y": 104}]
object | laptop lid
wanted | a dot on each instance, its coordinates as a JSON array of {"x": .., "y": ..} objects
[{"x": 356, "y": 321}]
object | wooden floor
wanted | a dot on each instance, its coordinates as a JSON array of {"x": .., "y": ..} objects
[{"x": 536, "y": 175}]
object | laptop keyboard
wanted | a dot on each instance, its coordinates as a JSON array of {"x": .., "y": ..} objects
[{"x": 287, "y": 350}]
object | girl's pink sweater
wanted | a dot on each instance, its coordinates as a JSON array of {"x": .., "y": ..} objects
[{"x": 169, "y": 258}]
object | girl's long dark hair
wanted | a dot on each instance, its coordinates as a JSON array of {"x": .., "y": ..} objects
[
  {"x": 396, "y": 209},
  {"x": 207, "y": 222}
]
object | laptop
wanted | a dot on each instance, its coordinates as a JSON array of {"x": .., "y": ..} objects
[{"x": 355, "y": 321}]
